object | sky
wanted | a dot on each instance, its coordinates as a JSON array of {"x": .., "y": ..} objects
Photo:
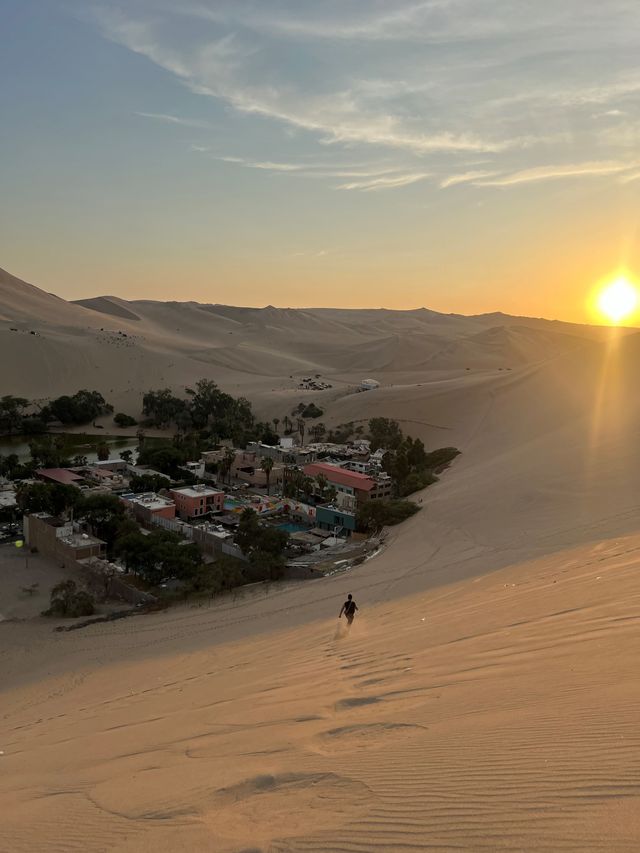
[{"x": 462, "y": 155}]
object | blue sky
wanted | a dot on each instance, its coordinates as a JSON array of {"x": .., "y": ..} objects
[{"x": 463, "y": 154}]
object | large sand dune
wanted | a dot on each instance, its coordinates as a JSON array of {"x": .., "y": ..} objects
[{"x": 486, "y": 698}]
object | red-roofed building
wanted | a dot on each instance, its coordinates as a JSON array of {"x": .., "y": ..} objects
[
  {"x": 361, "y": 486},
  {"x": 59, "y": 475}
]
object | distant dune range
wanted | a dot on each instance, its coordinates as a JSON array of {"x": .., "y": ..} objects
[{"x": 487, "y": 696}]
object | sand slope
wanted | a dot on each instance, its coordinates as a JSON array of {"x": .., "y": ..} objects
[
  {"x": 499, "y": 714},
  {"x": 486, "y": 698}
]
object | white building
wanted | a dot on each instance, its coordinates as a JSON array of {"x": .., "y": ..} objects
[{"x": 369, "y": 385}]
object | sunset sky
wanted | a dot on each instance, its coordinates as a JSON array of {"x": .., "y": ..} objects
[{"x": 463, "y": 155}]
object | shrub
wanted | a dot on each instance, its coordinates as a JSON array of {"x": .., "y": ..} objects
[
  {"x": 439, "y": 459},
  {"x": 67, "y": 601},
  {"x": 123, "y": 420},
  {"x": 376, "y": 514}
]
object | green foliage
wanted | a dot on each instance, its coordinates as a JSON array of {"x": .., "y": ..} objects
[
  {"x": 67, "y": 601},
  {"x": 52, "y": 498},
  {"x": 10, "y": 466},
  {"x": 123, "y": 420},
  {"x": 126, "y": 456},
  {"x": 81, "y": 408},
  {"x": 374, "y": 515},
  {"x": 102, "y": 451},
  {"x": 439, "y": 459},
  {"x": 148, "y": 483},
  {"x": 384, "y": 432},
  {"x": 207, "y": 407},
  {"x": 49, "y": 452},
  {"x": 103, "y": 513},
  {"x": 165, "y": 458},
  {"x": 160, "y": 555},
  {"x": 11, "y": 414},
  {"x": 264, "y": 546},
  {"x": 342, "y": 433}
]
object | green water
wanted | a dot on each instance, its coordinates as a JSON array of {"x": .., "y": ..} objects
[{"x": 76, "y": 444}]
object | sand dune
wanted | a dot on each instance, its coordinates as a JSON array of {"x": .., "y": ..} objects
[{"x": 486, "y": 697}]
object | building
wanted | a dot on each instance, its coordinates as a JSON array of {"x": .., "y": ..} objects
[
  {"x": 60, "y": 476},
  {"x": 60, "y": 540},
  {"x": 246, "y": 467},
  {"x": 285, "y": 452},
  {"x": 197, "y": 501},
  {"x": 362, "y": 487},
  {"x": 334, "y": 518},
  {"x": 148, "y": 504},
  {"x": 369, "y": 385}
]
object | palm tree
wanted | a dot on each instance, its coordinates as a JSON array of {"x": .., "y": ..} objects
[
  {"x": 276, "y": 422},
  {"x": 301, "y": 427},
  {"x": 286, "y": 422},
  {"x": 229, "y": 459},
  {"x": 267, "y": 467},
  {"x": 322, "y": 482}
]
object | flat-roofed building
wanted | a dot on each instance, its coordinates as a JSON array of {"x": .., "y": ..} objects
[
  {"x": 148, "y": 504},
  {"x": 197, "y": 501}
]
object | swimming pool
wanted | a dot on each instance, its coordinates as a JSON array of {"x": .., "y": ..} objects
[{"x": 292, "y": 527}]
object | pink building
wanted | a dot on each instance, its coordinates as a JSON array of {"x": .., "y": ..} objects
[{"x": 196, "y": 501}]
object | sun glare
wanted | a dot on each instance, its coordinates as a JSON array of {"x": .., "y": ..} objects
[{"x": 618, "y": 299}]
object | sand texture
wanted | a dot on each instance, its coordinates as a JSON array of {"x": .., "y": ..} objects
[{"x": 486, "y": 697}]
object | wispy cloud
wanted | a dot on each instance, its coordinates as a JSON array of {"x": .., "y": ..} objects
[
  {"x": 386, "y": 183},
  {"x": 338, "y": 76},
  {"x": 169, "y": 119},
  {"x": 464, "y": 177},
  {"x": 549, "y": 173}
]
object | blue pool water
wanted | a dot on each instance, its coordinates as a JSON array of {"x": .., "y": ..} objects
[{"x": 292, "y": 527}]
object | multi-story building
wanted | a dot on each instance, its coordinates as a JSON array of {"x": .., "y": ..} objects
[
  {"x": 148, "y": 504},
  {"x": 197, "y": 501}
]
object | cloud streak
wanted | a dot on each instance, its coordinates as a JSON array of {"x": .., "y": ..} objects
[
  {"x": 169, "y": 119},
  {"x": 550, "y": 173}
]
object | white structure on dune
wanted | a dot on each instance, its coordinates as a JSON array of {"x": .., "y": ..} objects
[{"x": 369, "y": 385}]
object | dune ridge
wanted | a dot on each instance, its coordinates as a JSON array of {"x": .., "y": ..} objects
[{"x": 486, "y": 697}]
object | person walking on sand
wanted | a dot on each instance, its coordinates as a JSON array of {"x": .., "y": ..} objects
[{"x": 349, "y": 609}]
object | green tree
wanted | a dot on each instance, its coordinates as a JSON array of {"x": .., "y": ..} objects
[
  {"x": 11, "y": 413},
  {"x": 104, "y": 514},
  {"x": 126, "y": 456},
  {"x": 102, "y": 451},
  {"x": 122, "y": 420},
  {"x": 67, "y": 601},
  {"x": 148, "y": 483},
  {"x": 267, "y": 467},
  {"x": 52, "y": 498}
]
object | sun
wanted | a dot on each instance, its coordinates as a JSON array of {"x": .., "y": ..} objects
[{"x": 618, "y": 299}]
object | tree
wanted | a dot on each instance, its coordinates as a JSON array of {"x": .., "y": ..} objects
[
  {"x": 52, "y": 498},
  {"x": 11, "y": 413},
  {"x": 103, "y": 513},
  {"x": 374, "y": 515},
  {"x": 123, "y": 420},
  {"x": 69, "y": 602},
  {"x": 9, "y": 465},
  {"x": 81, "y": 408},
  {"x": 80, "y": 461},
  {"x": 103, "y": 451},
  {"x": 267, "y": 467},
  {"x": 286, "y": 423},
  {"x": 276, "y": 422},
  {"x": 49, "y": 452},
  {"x": 263, "y": 546},
  {"x": 322, "y": 484},
  {"x": 301, "y": 428},
  {"x": 126, "y": 456},
  {"x": 148, "y": 483},
  {"x": 226, "y": 462}
]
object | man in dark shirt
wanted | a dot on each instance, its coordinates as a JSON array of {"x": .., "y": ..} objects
[{"x": 349, "y": 609}]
